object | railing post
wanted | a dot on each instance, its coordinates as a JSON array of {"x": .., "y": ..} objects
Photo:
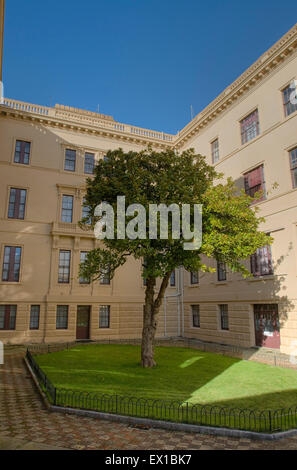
[
  {"x": 117, "y": 404},
  {"x": 270, "y": 421},
  {"x": 187, "y": 413},
  {"x": 55, "y": 396}
]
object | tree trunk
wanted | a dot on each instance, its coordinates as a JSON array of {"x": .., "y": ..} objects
[
  {"x": 151, "y": 310},
  {"x": 149, "y": 326}
]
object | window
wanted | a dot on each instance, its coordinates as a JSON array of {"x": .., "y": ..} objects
[
  {"x": 215, "y": 154},
  {"x": 89, "y": 163},
  {"x": 67, "y": 208},
  {"x": 194, "y": 277},
  {"x": 85, "y": 213},
  {"x": 104, "y": 316},
  {"x": 250, "y": 127},
  {"x": 83, "y": 280},
  {"x": 221, "y": 270},
  {"x": 105, "y": 277},
  {"x": 195, "y": 316},
  {"x": 224, "y": 317},
  {"x": 11, "y": 263},
  {"x": 289, "y": 99},
  {"x": 7, "y": 317},
  {"x": 261, "y": 262},
  {"x": 62, "y": 317},
  {"x": 17, "y": 203},
  {"x": 22, "y": 152},
  {"x": 34, "y": 317},
  {"x": 254, "y": 182},
  {"x": 70, "y": 159},
  {"x": 293, "y": 162},
  {"x": 64, "y": 266},
  {"x": 172, "y": 278}
]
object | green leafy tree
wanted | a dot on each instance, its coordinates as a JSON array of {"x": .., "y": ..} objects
[{"x": 230, "y": 225}]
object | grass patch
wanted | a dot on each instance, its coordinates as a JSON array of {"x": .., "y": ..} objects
[{"x": 182, "y": 374}]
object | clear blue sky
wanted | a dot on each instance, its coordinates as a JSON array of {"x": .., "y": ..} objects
[{"x": 143, "y": 61}]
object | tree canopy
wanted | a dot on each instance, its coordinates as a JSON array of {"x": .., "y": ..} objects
[{"x": 230, "y": 225}]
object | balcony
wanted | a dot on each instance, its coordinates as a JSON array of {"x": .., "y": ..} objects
[{"x": 63, "y": 228}]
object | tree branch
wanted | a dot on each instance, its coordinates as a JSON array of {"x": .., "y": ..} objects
[{"x": 162, "y": 290}]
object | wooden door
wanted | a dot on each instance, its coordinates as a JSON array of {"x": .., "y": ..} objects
[{"x": 83, "y": 322}]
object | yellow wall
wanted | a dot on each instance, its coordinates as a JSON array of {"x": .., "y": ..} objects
[{"x": 42, "y": 234}]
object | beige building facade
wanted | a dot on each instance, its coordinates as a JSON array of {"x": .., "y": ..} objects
[
  {"x": 249, "y": 132},
  {"x": 2, "y": 5}
]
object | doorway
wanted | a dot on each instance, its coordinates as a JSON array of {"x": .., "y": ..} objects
[
  {"x": 83, "y": 322},
  {"x": 267, "y": 328}
]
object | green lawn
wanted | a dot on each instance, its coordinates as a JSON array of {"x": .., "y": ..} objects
[{"x": 181, "y": 374}]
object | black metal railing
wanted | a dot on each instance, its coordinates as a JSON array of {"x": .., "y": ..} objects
[
  {"x": 42, "y": 378},
  {"x": 267, "y": 421}
]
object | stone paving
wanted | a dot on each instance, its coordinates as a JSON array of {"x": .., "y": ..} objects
[{"x": 26, "y": 424}]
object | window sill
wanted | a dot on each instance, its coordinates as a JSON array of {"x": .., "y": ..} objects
[
  {"x": 15, "y": 218},
  {"x": 26, "y": 165},
  {"x": 268, "y": 277},
  {"x": 11, "y": 283},
  {"x": 193, "y": 285},
  {"x": 219, "y": 283}
]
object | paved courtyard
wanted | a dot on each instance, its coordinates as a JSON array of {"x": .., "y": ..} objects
[{"x": 26, "y": 424}]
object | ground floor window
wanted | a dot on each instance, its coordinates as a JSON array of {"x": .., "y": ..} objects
[
  {"x": 34, "y": 317},
  {"x": 62, "y": 317},
  {"x": 224, "y": 317},
  {"x": 195, "y": 316},
  {"x": 104, "y": 316},
  {"x": 7, "y": 317}
]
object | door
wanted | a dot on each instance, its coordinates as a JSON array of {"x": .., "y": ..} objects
[
  {"x": 267, "y": 326},
  {"x": 83, "y": 322}
]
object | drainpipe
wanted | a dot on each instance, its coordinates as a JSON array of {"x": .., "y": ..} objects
[
  {"x": 180, "y": 311},
  {"x": 181, "y": 287}
]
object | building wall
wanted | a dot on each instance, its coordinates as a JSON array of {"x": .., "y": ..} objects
[
  {"x": 271, "y": 148},
  {"x": 42, "y": 234}
]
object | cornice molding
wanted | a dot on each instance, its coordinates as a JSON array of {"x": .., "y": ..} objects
[
  {"x": 65, "y": 123},
  {"x": 267, "y": 63}
]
